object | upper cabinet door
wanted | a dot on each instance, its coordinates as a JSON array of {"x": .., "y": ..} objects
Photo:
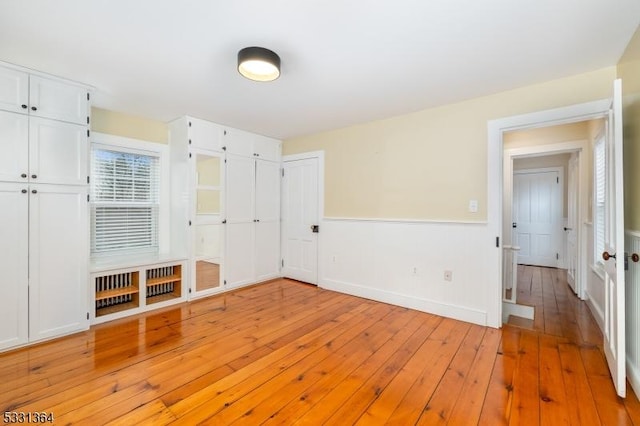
[
  {"x": 14, "y": 147},
  {"x": 267, "y": 148},
  {"x": 14, "y": 90},
  {"x": 205, "y": 135},
  {"x": 239, "y": 142},
  {"x": 57, "y": 100},
  {"x": 57, "y": 152}
]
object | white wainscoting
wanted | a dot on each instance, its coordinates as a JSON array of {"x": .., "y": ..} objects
[
  {"x": 632, "y": 309},
  {"x": 404, "y": 263}
]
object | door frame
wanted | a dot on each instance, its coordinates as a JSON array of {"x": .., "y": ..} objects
[
  {"x": 496, "y": 170},
  {"x": 319, "y": 155}
]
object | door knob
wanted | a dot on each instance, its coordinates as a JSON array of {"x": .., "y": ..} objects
[
  {"x": 567, "y": 229},
  {"x": 635, "y": 257},
  {"x": 315, "y": 228},
  {"x": 606, "y": 256}
]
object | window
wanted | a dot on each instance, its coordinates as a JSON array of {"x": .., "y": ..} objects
[
  {"x": 599, "y": 185},
  {"x": 125, "y": 205}
]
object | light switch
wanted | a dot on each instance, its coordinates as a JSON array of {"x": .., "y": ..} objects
[{"x": 473, "y": 206}]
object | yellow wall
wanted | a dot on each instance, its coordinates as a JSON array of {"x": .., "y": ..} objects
[
  {"x": 546, "y": 135},
  {"x": 120, "y": 124},
  {"x": 429, "y": 164},
  {"x": 629, "y": 71}
]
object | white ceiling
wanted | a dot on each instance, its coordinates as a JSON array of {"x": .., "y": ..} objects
[{"x": 343, "y": 61}]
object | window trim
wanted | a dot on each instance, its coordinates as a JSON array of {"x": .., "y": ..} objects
[
  {"x": 137, "y": 146},
  {"x": 598, "y": 263}
]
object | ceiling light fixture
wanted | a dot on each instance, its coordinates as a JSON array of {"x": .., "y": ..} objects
[{"x": 258, "y": 64}]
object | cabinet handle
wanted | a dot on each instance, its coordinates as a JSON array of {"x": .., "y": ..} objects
[
  {"x": 34, "y": 108},
  {"x": 24, "y": 175},
  {"x": 24, "y": 191},
  {"x": 34, "y": 176},
  {"x": 23, "y": 106},
  {"x": 34, "y": 191}
]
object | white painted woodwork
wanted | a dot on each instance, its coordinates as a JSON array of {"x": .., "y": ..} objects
[
  {"x": 247, "y": 144},
  {"x": 14, "y": 255},
  {"x": 204, "y": 134},
  {"x": 536, "y": 211},
  {"x": 376, "y": 259},
  {"x": 253, "y": 220},
  {"x": 300, "y": 211},
  {"x": 267, "y": 213},
  {"x": 239, "y": 142},
  {"x": 58, "y": 260},
  {"x": 239, "y": 256},
  {"x": 206, "y": 212},
  {"x": 572, "y": 221},
  {"x": 267, "y": 148},
  {"x": 58, "y": 100},
  {"x": 14, "y": 146},
  {"x": 58, "y": 152},
  {"x": 614, "y": 315},
  {"x": 14, "y": 90},
  {"x": 632, "y": 309},
  {"x": 240, "y": 191}
]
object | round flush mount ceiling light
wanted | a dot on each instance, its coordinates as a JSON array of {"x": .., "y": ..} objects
[{"x": 258, "y": 64}]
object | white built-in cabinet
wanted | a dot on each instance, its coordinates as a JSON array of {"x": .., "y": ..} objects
[
  {"x": 226, "y": 199},
  {"x": 43, "y": 207}
]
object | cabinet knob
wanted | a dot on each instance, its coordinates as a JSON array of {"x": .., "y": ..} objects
[
  {"x": 34, "y": 108},
  {"x": 23, "y": 106},
  {"x": 34, "y": 191},
  {"x": 34, "y": 176},
  {"x": 24, "y": 175},
  {"x": 24, "y": 191}
]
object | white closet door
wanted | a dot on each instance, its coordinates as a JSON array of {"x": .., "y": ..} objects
[
  {"x": 14, "y": 90},
  {"x": 267, "y": 148},
  {"x": 57, "y": 100},
  {"x": 14, "y": 147},
  {"x": 239, "y": 260},
  {"x": 240, "y": 187},
  {"x": 268, "y": 175},
  {"x": 239, "y": 142},
  {"x": 58, "y": 152},
  {"x": 267, "y": 243},
  {"x": 58, "y": 244},
  {"x": 14, "y": 253},
  {"x": 204, "y": 134}
]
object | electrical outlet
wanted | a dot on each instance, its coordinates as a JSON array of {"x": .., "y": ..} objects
[{"x": 448, "y": 276}]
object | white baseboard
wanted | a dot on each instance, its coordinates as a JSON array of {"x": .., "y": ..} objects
[
  {"x": 597, "y": 313},
  {"x": 424, "y": 305}
]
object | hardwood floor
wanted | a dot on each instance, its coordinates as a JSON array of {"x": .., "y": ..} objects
[{"x": 289, "y": 353}]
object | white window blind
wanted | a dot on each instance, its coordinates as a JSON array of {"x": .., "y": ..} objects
[
  {"x": 599, "y": 185},
  {"x": 124, "y": 201}
]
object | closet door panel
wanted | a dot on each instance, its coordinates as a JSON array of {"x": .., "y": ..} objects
[
  {"x": 14, "y": 254},
  {"x": 58, "y": 247},
  {"x": 14, "y": 90},
  {"x": 240, "y": 187},
  {"x": 268, "y": 176},
  {"x": 14, "y": 147},
  {"x": 239, "y": 259},
  {"x": 58, "y": 152},
  {"x": 58, "y": 100}
]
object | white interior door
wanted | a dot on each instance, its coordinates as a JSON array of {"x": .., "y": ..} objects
[
  {"x": 537, "y": 217},
  {"x": 572, "y": 221},
  {"x": 299, "y": 214},
  {"x": 614, "y": 333},
  {"x": 267, "y": 227}
]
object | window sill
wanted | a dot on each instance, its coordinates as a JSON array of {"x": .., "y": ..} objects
[{"x": 108, "y": 263}]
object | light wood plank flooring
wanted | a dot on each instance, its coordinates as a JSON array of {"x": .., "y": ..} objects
[{"x": 289, "y": 353}]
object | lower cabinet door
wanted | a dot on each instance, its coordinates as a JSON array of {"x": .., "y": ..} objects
[
  {"x": 14, "y": 255},
  {"x": 58, "y": 236},
  {"x": 239, "y": 259}
]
